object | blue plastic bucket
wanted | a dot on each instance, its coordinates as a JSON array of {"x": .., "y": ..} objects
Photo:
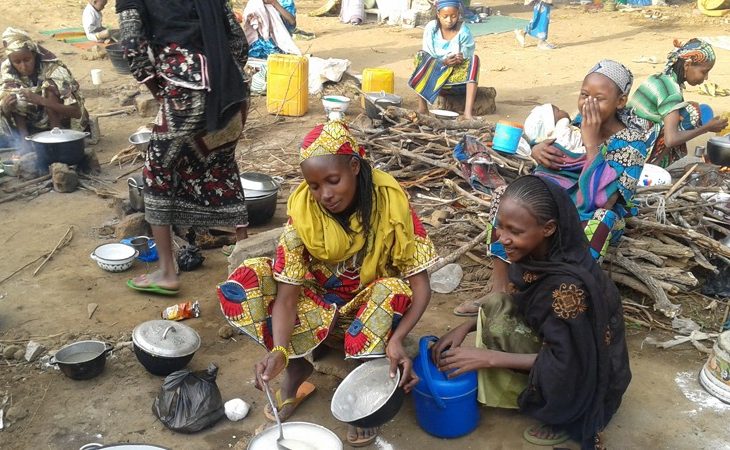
[
  {"x": 507, "y": 136},
  {"x": 706, "y": 113},
  {"x": 445, "y": 408}
]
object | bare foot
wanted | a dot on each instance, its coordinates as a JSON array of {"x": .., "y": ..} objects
[
  {"x": 520, "y": 36},
  {"x": 360, "y": 437},
  {"x": 171, "y": 282}
]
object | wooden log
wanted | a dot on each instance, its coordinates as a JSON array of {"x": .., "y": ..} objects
[
  {"x": 455, "y": 255},
  {"x": 393, "y": 112},
  {"x": 687, "y": 234},
  {"x": 18, "y": 186},
  {"x": 661, "y": 301}
]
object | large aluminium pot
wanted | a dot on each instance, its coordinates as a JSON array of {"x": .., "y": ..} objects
[
  {"x": 59, "y": 145},
  {"x": 368, "y": 396},
  {"x": 261, "y": 193},
  {"x": 163, "y": 346},
  {"x": 382, "y": 100},
  {"x": 82, "y": 360},
  {"x": 718, "y": 150}
]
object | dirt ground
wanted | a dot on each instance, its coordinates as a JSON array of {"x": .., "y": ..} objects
[{"x": 663, "y": 408}]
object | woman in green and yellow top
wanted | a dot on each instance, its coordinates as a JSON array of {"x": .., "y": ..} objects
[{"x": 660, "y": 99}]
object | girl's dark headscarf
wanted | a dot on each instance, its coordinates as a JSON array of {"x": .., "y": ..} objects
[
  {"x": 199, "y": 26},
  {"x": 582, "y": 370}
]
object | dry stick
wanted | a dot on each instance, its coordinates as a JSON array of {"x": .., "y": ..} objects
[
  {"x": 116, "y": 113},
  {"x": 21, "y": 268},
  {"x": 680, "y": 181},
  {"x": 459, "y": 252},
  {"x": 467, "y": 194},
  {"x": 393, "y": 112},
  {"x": 28, "y": 183},
  {"x": 673, "y": 230},
  {"x": 29, "y": 190},
  {"x": 128, "y": 172},
  {"x": 661, "y": 301},
  {"x": 62, "y": 243},
  {"x": 699, "y": 257}
]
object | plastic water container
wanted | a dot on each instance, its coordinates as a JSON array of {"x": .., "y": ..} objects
[
  {"x": 507, "y": 136},
  {"x": 377, "y": 79},
  {"x": 445, "y": 408},
  {"x": 287, "y": 90}
]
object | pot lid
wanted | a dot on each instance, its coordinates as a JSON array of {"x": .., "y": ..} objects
[
  {"x": 721, "y": 140},
  {"x": 255, "y": 181},
  {"x": 255, "y": 195},
  {"x": 57, "y": 136},
  {"x": 166, "y": 338}
]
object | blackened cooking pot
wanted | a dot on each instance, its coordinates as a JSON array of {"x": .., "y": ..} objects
[
  {"x": 718, "y": 150},
  {"x": 59, "y": 145},
  {"x": 82, "y": 360},
  {"x": 261, "y": 192},
  {"x": 163, "y": 346},
  {"x": 374, "y": 101}
]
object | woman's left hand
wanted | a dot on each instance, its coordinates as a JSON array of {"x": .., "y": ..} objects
[
  {"x": 398, "y": 357},
  {"x": 463, "y": 359},
  {"x": 590, "y": 127}
]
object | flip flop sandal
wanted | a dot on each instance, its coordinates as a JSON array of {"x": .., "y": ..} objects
[
  {"x": 559, "y": 436},
  {"x": 304, "y": 391},
  {"x": 459, "y": 310},
  {"x": 153, "y": 288},
  {"x": 227, "y": 249},
  {"x": 364, "y": 442}
]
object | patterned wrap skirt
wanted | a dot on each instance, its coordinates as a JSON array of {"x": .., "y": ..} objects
[
  {"x": 191, "y": 177},
  {"x": 431, "y": 76},
  {"x": 689, "y": 119},
  {"x": 363, "y": 325}
]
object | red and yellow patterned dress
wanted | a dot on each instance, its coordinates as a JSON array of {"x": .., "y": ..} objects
[{"x": 332, "y": 298}]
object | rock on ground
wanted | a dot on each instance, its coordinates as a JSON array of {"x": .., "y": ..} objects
[
  {"x": 261, "y": 244},
  {"x": 33, "y": 350},
  {"x": 132, "y": 225},
  {"x": 65, "y": 179}
]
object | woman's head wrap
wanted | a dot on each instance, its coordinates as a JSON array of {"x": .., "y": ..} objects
[
  {"x": 617, "y": 72},
  {"x": 331, "y": 138},
  {"x": 15, "y": 40},
  {"x": 696, "y": 51},
  {"x": 441, "y": 4}
]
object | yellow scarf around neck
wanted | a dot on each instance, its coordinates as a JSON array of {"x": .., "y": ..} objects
[{"x": 392, "y": 235}]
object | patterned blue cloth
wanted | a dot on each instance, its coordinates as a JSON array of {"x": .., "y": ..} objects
[
  {"x": 262, "y": 48},
  {"x": 538, "y": 26}
]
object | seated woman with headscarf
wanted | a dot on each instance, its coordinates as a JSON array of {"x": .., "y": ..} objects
[
  {"x": 602, "y": 187},
  {"x": 268, "y": 25},
  {"x": 660, "y": 99},
  {"x": 447, "y": 60},
  {"x": 37, "y": 91},
  {"x": 349, "y": 271}
]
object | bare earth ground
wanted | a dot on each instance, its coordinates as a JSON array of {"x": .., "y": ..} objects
[{"x": 664, "y": 407}]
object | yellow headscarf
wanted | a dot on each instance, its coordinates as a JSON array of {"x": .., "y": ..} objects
[
  {"x": 392, "y": 238},
  {"x": 15, "y": 39}
]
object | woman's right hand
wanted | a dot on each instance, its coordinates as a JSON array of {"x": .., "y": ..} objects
[
  {"x": 452, "y": 339},
  {"x": 716, "y": 124},
  {"x": 268, "y": 368},
  {"x": 546, "y": 155}
]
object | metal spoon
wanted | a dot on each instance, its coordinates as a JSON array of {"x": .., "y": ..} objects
[{"x": 281, "y": 443}]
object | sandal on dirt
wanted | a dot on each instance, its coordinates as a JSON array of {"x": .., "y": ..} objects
[
  {"x": 555, "y": 435},
  {"x": 463, "y": 310},
  {"x": 364, "y": 442},
  {"x": 227, "y": 249},
  {"x": 152, "y": 288},
  {"x": 304, "y": 391}
]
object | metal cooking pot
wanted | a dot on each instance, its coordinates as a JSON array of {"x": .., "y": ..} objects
[
  {"x": 718, "y": 150},
  {"x": 312, "y": 435},
  {"x": 163, "y": 346},
  {"x": 261, "y": 193},
  {"x": 59, "y": 145},
  {"x": 368, "y": 396},
  {"x": 82, "y": 360},
  {"x": 136, "y": 192},
  {"x": 382, "y": 100}
]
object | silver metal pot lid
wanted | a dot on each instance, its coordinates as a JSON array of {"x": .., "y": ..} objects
[
  {"x": 257, "y": 195},
  {"x": 57, "y": 136},
  {"x": 166, "y": 338},
  {"x": 255, "y": 181},
  {"x": 383, "y": 96}
]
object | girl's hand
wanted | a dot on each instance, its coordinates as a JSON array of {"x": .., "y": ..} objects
[
  {"x": 452, "y": 339},
  {"x": 716, "y": 124},
  {"x": 546, "y": 155},
  {"x": 32, "y": 97},
  {"x": 590, "y": 127},
  {"x": 268, "y": 368},
  {"x": 398, "y": 357},
  {"x": 463, "y": 359},
  {"x": 454, "y": 60}
]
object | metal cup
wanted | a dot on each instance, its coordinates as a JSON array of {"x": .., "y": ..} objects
[{"x": 142, "y": 245}]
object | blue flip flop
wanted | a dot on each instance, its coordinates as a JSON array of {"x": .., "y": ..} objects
[{"x": 153, "y": 288}]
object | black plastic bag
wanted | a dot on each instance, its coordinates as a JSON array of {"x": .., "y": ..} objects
[
  {"x": 189, "y": 401},
  {"x": 189, "y": 258},
  {"x": 718, "y": 284}
]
